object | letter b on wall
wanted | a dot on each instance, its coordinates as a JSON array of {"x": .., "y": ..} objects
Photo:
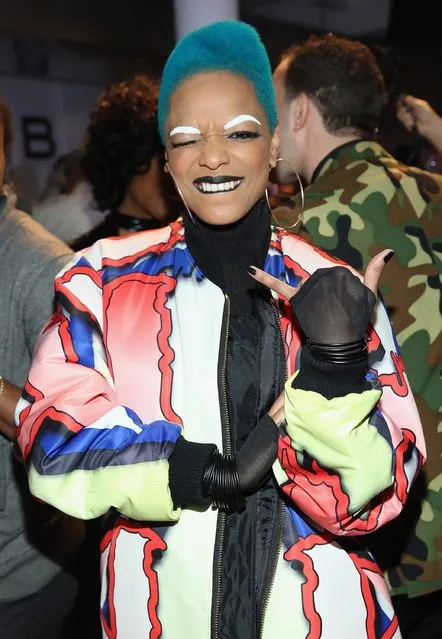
[{"x": 38, "y": 139}]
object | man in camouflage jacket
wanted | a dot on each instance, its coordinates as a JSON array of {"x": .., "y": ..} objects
[{"x": 360, "y": 200}]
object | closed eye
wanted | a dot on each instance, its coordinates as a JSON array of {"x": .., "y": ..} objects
[
  {"x": 243, "y": 135},
  {"x": 177, "y": 145}
]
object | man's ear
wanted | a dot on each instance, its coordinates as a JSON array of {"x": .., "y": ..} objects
[
  {"x": 274, "y": 147},
  {"x": 299, "y": 112}
]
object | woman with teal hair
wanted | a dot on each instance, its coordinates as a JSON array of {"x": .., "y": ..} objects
[{"x": 218, "y": 387}]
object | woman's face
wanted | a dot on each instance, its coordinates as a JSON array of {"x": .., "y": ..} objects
[{"x": 218, "y": 145}]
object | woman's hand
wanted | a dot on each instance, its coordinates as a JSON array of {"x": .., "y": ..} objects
[
  {"x": 332, "y": 306},
  {"x": 7, "y": 430},
  {"x": 371, "y": 279}
]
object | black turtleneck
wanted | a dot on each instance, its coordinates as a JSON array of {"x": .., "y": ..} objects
[{"x": 224, "y": 253}]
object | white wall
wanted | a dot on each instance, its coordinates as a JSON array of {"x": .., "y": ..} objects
[{"x": 66, "y": 106}]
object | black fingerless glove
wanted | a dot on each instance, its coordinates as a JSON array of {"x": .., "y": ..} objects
[
  {"x": 228, "y": 478},
  {"x": 333, "y": 309},
  {"x": 257, "y": 454},
  {"x": 200, "y": 476}
]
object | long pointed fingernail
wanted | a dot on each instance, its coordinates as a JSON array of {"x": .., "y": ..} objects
[
  {"x": 251, "y": 270},
  {"x": 388, "y": 257}
]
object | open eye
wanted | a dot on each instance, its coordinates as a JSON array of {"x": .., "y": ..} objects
[{"x": 243, "y": 135}]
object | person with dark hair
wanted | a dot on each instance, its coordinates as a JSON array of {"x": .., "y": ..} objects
[
  {"x": 157, "y": 392},
  {"x": 359, "y": 200},
  {"x": 37, "y": 543},
  {"x": 123, "y": 162},
  {"x": 7, "y": 134}
]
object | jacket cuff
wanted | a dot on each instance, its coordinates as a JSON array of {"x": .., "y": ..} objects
[
  {"x": 330, "y": 380},
  {"x": 186, "y": 468}
]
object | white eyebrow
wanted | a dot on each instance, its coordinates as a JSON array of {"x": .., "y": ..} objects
[
  {"x": 239, "y": 119},
  {"x": 185, "y": 129}
]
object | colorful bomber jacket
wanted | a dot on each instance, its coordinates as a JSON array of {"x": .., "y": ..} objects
[
  {"x": 362, "y": 200},
  {"x": 128, "y": 363}
]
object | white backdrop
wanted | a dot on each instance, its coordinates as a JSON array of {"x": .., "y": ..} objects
[{"x": 65, "y": 107}]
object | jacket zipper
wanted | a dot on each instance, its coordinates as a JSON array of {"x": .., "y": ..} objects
[
  {"x": 227, "y": 448},
  {"x": 277, "y": 547}
]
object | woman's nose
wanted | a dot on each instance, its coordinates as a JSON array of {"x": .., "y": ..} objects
[{"x": 214, "y": 152}]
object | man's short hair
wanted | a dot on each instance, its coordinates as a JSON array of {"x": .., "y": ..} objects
[
  {"x": 342, "y": 79},
  {"x": 6, "y": 121}
]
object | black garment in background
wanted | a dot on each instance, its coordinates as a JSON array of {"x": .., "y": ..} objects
[
  {"x": 83, "y": 621},
  {"x": 419, "y": 617},
  {"x": 41, "y": 615},
  {"x": 110, "y": 227}
]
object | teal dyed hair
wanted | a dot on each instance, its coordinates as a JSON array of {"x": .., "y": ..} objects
[{"x": 228, "y": 45}]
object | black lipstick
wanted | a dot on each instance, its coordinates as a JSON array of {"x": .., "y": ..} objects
[{"x": 217, "y": 179}]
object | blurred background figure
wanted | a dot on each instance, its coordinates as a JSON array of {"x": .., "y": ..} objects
[
  {"x": 425, "y": 127},
  {"x": 359, "y": 199},
  {"x": 64, "y": 174},
  {"x": 67, "y": 207},
  {"x": 124, "y": 162},
  {"x": 417, "y": 115},
  {"x": 38, "y": 545}
]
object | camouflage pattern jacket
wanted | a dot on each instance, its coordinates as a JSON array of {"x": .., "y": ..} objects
[{"x": 362, "y": 200}]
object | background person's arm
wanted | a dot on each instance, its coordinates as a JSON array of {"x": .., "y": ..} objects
[
  {"x": 416, "y": 113},
  {"x": 9, "y": 397}
]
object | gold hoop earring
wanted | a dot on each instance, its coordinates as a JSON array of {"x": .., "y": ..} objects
[
  {"x": 180, "y": 194},
  {"x": 301, "y": 190}
]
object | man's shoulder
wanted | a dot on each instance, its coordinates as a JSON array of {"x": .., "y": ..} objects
[
  {"x": 30, "y": 236},
  {"x": 366, "y": 154},
  {"x": 370, "y": 183},
  {"x": 372, "y": 202}
]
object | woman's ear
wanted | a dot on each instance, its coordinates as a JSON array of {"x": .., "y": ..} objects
[{"x": 274, "y": 147}]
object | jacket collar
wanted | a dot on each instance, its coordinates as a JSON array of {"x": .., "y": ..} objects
[
  {"x": 347, "y": 153},
  {"x": 273, "y": 245}
]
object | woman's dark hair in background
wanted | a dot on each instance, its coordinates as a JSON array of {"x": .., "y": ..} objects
[
  {"x": 6, "y": 121},
  {"x": 122, "y": 139}
]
